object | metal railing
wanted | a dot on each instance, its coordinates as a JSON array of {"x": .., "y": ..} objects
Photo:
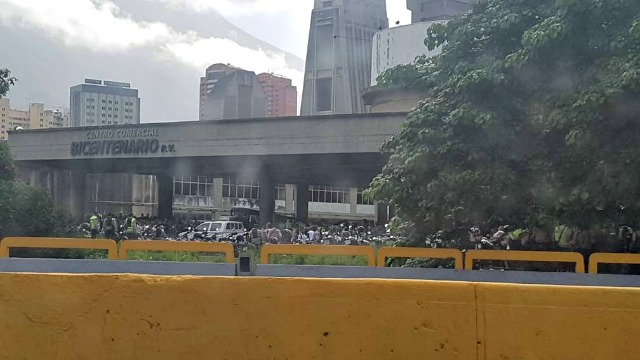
[
  {"x": 610, "y": 258},
  {"x": 58, "y": 243},
  {"x": 407, "y": 252},
  {"x": 271, "y": 249},
  {"x": 180, "y": 246},
  {"x": 530, "y": 256},
  {"x": 462, "y": 260}
]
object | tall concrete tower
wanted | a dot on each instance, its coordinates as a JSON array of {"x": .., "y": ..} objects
[{"x": 338, "y": 65}]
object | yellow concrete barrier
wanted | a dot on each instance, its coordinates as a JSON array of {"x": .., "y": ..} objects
[
  {"x": 607, "y": 258},
  {"x": 407, "y": 252},
  {"x": 147, "y": 317},
  {"x": 538, "y": 256},
  {"x": 129, "y": 245},
  {"x": 46, "y": 316},
  {"x": 270, "y": 249},
  {"x": 58, "y": 243},
  {"x": 557, "y": 322}
]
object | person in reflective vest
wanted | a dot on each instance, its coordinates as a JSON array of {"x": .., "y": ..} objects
[
  {"x": 131, "y": 226},
  {"x": 563, "y": 237},
  {"x": 94, "y": 223}
]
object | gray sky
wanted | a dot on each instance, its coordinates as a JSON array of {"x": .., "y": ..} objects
[{"x": 161, "y": 46}]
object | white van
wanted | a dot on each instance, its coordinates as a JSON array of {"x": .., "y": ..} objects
[{"x": 220, "y": 229}]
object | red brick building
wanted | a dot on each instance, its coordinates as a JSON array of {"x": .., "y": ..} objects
[{"x": 282, "y": 96}]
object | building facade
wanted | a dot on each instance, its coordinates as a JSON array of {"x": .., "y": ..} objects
[
  {"x": 436, "y": 10},
  {"x": 98, "y": 103},
  {"x": 338, "y": 66},
  {"x": 282, "y": 96},
  {"x": 206, "y": 198},
  {"x": 34, "y": 118},
  {"x": 400, "y": 46},
  {"x": 231, "y": 93},
  {"x": 104, "y": 103}
]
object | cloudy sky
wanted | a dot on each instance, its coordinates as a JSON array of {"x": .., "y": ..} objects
[{"x": 161, "y": 46}]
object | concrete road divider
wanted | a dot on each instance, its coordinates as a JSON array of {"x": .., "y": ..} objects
[
  {"x": 270, "y": 249},
  {"x": 58, "y": 243},
  {"x": 62, "y": 316},
  {"x": 182, "y": 246},
  {"x": 607, "y": 258},
  {"x": 534, "y": 256},
  {"x": 407, "y": 252}
]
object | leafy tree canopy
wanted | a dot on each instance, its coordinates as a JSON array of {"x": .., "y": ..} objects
[
  {"x": 534, "y": 119},
  {"x": 6, "y": 81},
  {"x": 24, "y": 211}
]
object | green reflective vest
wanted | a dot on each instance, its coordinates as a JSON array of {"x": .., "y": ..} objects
[
  {"x": 94, "y": 222},
  {"x": 562, "y": 236},
  {"x": 131, "y": 225}
]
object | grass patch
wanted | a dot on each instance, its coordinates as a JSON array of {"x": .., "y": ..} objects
[
  {"x": 176, "y": 256},
  {"x": 344, "y": 260}
]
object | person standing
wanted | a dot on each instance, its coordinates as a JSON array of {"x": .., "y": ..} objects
[
  {"x": 131, "y": 225},
  {"x": 94, "y": 225},
  {"x": 110, "y": 227}
]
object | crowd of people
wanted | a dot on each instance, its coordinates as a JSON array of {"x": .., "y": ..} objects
[{"x": 120, "y": 227}]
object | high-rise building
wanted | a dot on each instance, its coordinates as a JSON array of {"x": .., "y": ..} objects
[
  {"x": 100, "y": 103},
  {"x": 338, "y": 67},
  {"x": 282, "y": 96},
  {"x": 434, "y": 10},
  {"x": 34, "y": 118},
  {"x": 227, "y": 92},
  {"x": 97, "y": 103}
]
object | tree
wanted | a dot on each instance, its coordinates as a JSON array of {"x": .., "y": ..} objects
[
  {"x": 24, "y": 211},
  {"x": 532, "y": 119},
  {"x": 6, "y": 81}
]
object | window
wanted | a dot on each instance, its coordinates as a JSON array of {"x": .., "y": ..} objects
[
  {"x": 240, "y": 189},
  {"x": 329, "y": 194},
  {"x": 193, "y": 186},
  {"x": 110, "y": 102},
  {"x": 104, "y": 108},
  {"x": 326, "y": 4},
  {"x": 110, "y": 109},
  {"x": 324, "y": 94},
  {"x": 104, "y": 101},
  {"x": 281, "y": 192},
  {"x": 363, "y": 199}
]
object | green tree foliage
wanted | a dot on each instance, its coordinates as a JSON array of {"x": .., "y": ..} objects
[
  {"x": 24, "y": 211},
  {"x": 6, "y": 81},
  {"x": 534, "y": 118}
]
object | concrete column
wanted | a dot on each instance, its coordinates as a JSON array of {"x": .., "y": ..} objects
[
  {"x": 303, "y": 196},
  {"x": 77, "y": 194},
  {"x": 382, "y": 213},
  {"x": 33, "y": 178},
  {"x": 217, "y": 193},
  {"x": 165, "y": 196},
  {"x": 50, "y": 182},
  {"x": 289, "y": 202},
  {"x": 267, "y": 199},
  {"x": 353, "y": 200}
]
